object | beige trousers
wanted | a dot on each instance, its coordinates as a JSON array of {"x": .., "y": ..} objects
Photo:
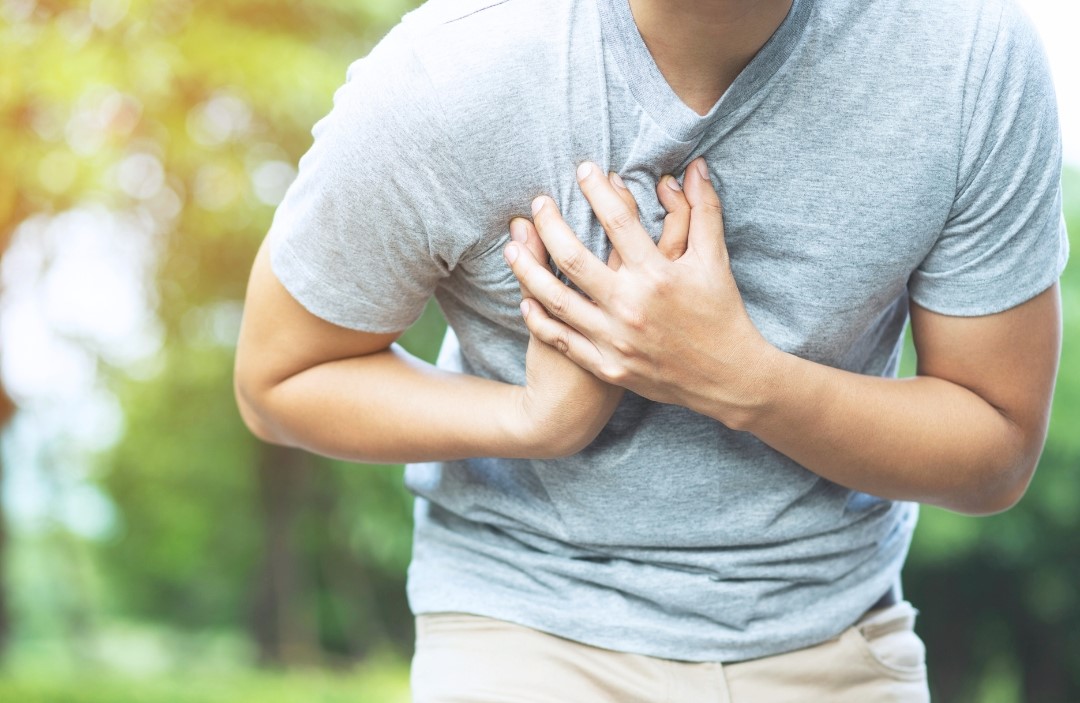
[{"x": 471, "y": 659}]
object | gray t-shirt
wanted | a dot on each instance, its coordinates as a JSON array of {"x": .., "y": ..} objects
[{"x": 871, "y": 152}]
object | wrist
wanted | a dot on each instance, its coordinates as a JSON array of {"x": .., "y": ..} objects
[
  {"x": 518, "y": 436},
  {"x": 759, "y": 387},
  {"x": 524, "y": 440},
  {"x": 561, "y": 430},
  {"x": 773, "y": 381}
]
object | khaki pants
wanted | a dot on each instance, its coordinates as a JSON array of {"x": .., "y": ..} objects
[{"x": 470, "y": 659}]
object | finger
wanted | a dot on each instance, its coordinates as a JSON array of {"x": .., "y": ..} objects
[
  {"x": 614, "y": 260},
  {"x": 624, "y": 193},
  {"x": 623, "y": 228},
  {"x": 673, "y": 239},
  {"x": 576, "y": 346},
  {"x": 571, "y": 256},
  {"x": 706, "y": 213},
  {"x": 529, "y": 237},
  {"x": 523, "y": 232},
  {"x": 561, "y": 300}
]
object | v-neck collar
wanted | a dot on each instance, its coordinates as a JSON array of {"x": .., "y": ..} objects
[{"x": 656, "y": 96}]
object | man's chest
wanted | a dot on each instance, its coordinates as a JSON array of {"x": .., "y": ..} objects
[{"x": 822, "y": 236}]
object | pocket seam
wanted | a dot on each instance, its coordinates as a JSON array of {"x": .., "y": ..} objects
[{"x": 867, "y": 652}]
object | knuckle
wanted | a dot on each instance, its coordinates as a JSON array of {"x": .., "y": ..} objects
[
  {"x": 613, "y": 373},
  {"x": 624, "y": 347},
  {"x": 671, "y": 251},
  {"x": 638, "y": 322},
  {"x": 562, "y": 341},
  {"x": 621, "y": 221},
  {"x": 711, "y": 207},
  {"x": 632, "y": 316},
  {"x": 573, "y": 264},
  {"x": 659, "y": 281},
  {"x": 560, "y": 302}
]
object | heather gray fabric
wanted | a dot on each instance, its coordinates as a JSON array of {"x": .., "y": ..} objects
[{"x": 872, "y": 151}]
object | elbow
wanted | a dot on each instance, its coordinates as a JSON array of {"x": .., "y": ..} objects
[
  {"x": 998, "y": 492},
  {"x": 256, "y": 425},
  {"x": 992, "y": 502},
  {"x": 1003, "y": 477},
  {"x": 251, "y": 411}
]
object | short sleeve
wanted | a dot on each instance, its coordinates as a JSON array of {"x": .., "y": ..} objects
[
  {"x": 1004, "y": 241},
  {"x": 379, "y": 211}
]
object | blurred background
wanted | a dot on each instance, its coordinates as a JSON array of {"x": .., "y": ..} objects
[{"x": 150, "y": 548}]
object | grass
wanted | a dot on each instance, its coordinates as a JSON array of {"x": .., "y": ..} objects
[
  {"x": 376, "y": 683},
  {"x": 128, "y": 662}
]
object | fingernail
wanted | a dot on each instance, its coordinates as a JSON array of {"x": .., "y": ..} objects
[
  {"x": 511, "y": 253},
  {"x": 617, "y": 180},
  {"x": 517, "y": 231},
  {"x": 537, "y": 204},
  {"x": 673, "y": 183},
  {"x": 702, "y": 168},
  {"x": 524, "y": 308},
  {"x": 584, "y": 170}
]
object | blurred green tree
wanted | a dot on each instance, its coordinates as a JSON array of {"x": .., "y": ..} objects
[{"x": 196, "y": 138}]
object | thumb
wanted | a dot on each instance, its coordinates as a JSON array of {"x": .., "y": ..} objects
[{"x": 706, "y": 234}]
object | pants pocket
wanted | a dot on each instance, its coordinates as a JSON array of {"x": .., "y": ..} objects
[{"x": 888, "y": 642}]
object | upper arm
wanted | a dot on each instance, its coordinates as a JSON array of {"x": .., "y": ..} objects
[
  {"x": 380, "y": 212},
  {"x": 1009, "y": 359},
  {"x": 279, "y": 338},
  {"x": 377, "y": 216},
  {"x": 985, "y": 310}
]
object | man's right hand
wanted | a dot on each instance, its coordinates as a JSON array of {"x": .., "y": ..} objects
[{"x": 562, "y": 406}]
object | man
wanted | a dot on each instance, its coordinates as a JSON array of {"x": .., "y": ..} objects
[{"x": 732, "y": 525}]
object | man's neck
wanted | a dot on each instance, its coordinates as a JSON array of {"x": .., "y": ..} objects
[{"x": 700, "y": 46}]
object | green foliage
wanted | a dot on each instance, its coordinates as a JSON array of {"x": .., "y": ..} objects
[
  {"x": 1066, "y": 413},
  {"x": 189, "y": 116},
  {"x": 182, "y": 481}
]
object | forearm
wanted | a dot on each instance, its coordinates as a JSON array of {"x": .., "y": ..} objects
[
  {"x": 922, "y": 439},
  {"x": 388, "y": 407}
]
